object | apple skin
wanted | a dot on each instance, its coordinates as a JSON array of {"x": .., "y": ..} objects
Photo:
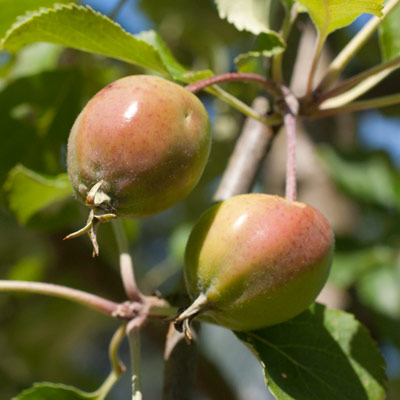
[
  {"x": 259, "y": 260},
  {"x": 147, "y": 138}
]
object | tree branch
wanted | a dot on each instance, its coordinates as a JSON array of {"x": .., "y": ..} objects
[{"x": 247, "y": 156}]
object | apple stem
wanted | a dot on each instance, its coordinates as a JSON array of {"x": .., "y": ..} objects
[
  {"x": 269, "y": 85},
  {"x": 126, "y": 264}
]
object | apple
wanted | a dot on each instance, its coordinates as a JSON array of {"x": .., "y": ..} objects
[
  {"x": 256, "y": 260},
  {"x": 140, "y": 145}
]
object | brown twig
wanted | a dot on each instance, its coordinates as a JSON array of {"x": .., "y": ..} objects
[{"x": 247, "y": 156}]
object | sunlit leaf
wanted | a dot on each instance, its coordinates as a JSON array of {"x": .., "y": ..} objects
[
  {"x": 11, "y": 9},
  {"x": 248, "y": 15},
  {"x": 83, "y": 29},
  {"x": 329, "y": 15},
  {"x": 321, "y": 354},
  {"x": 29, "y": 192},
  {"x": 390, "y": 35}
]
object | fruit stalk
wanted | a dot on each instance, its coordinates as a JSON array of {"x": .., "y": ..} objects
[{"x": 126, "y": 263}]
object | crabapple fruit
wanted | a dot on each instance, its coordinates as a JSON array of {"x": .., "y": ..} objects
[
  {"x": 256, "y": 260},
  {"x": 144, "y": 141}
]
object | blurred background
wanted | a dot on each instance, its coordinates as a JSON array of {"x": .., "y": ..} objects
[{"x": 348, "y": 168}]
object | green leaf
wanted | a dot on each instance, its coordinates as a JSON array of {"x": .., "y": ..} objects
[
  {"x": 36, "y": 114},
  {"x": 265, "y": 46},
  {"x": 389, "y": 35},
  {"x": 11, "y": 9},
  {"x": 29, "y": 192},
  {"x": 248, "y": 15},
  {"x": 379, "y": 289},
  {"x": 370, "y": 180},
  {"x": 83, "y": 29},
  {"x": 321, "y": 354},
  {"x": 29, "y": 268},
  {"x": 36, "y": 58},
  {"x": 329, "y": 15},
  {"x": 175, "y": 69},
  {"x": 52, "y": 391}
]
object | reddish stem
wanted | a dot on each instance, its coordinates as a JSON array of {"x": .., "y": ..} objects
[
  {"x": 269, "y": 85},
  {"x": 90, "y": 300}
]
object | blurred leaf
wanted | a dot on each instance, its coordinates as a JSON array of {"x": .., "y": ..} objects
[
  {"x": 11, "y": 9},
  {"x": 29, "y": 192},
  {"x": 380, "y": 290},
  {"x": 29, "y": 268},
  {"x": 321, "y": 354},
  {"x": 52, "y": 391},
  {"x": 265, "y": 46},
  {"x": 329, "y": 15},
  {"x": 390, "y": 35},
  {"x": 177, "y": 242},
  {"x": 370, "y": 180},
  {"x": 36, "y": 113},
  {"x": 36, "y": 58},
  {"x": 20, "y": 139},
  {"x": 83, "y": 29},
  {"x": 248, "y": 15},
  {"x": 349, "y": 266}
]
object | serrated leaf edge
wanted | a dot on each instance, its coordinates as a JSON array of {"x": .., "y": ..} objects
[
  {"x": 31, "y": 15},
  {"x": 224, "y": 15}
]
